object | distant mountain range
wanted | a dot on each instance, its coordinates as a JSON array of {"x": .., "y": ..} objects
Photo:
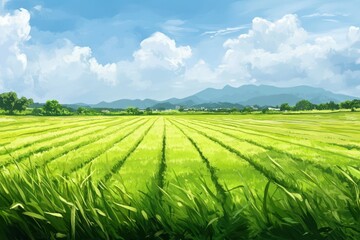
[{"x": 228, "y": 97}]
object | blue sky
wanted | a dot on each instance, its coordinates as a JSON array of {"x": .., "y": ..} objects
[{"x": 89, "y": 51}]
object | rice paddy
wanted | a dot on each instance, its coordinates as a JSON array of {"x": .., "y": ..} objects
[{"x": 181, "y": 177}]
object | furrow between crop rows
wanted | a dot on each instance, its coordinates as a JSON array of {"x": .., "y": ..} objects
[
  {"x": 282, "y": 132},
  {"x": 162, "y": 165},
  {"x": 99, "y": 146},
  {"x": 287, "y": 143},
  {"x": 47, "y": 157},
  {"x": 59, "y": 141},
  {"x": 18, "y": 132},
  {"x": 323, "y": 168},
  {"x": 120, "y": 163},
  {"x": 22, "y": 143},
  {"x": 268, "y": 174},
  {"x": 219, "y": 188}
]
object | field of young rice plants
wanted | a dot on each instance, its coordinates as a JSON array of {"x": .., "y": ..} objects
[{"x": 254, "y": 176}]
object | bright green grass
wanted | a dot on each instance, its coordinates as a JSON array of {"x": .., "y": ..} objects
[{"x": 257, "y": 176}]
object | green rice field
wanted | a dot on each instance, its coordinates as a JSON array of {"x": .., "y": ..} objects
[{"x": 255, "y": 176}]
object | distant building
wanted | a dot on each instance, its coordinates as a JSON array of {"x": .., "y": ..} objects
[{"x": 273, "y": 109}]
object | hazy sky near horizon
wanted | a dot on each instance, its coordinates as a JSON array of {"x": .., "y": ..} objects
[{"x": 89, "y": 51}]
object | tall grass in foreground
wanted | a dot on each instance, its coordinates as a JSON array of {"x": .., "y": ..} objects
[{"x": 37, "y": 205}]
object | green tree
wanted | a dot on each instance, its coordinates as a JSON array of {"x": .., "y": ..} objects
[
  {"x": 304, "y": 105},
  {"x": 247, "y": 110},
  {"x": 285, "y": 107},
  {"x": 11, "y": 103},
  {"x": 132, "y": 111},
  {"x": 85, "y": 111},
  {"x": 38, "y": 112},
  {"x": 54, "y": 108},
  {"x": 148, "y": 111},
  {"x": 332, "y": 105},
  {"x": 321, "y": 106},
  {"x": 234, "y": 109},
  {"x": 355, "y": 103},
  {"x": 346, "y": 105}
]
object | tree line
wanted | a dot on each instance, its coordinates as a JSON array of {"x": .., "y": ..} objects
[
  {"x": 305, "y": 105},
  {"x": 11, "y": 104}
]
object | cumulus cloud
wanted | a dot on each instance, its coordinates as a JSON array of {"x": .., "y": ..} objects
[
  {"x": 160, "y": 51},
  {"x": 15, "y": 31},
  {"x": 107, "y": 72},
  {"x": 159, "y": 62},
  {"x": 69, "y": 73},
  {"x": 279, "y": 52},
  {"x": 354, "y": 34},
  {"x": 61, "y": 69},
  {"x": 282, "y": 52},
  {"x": 201, "y": 72}
]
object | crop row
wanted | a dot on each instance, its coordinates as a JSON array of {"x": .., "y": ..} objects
[
  {"x": 72, "y": 145},
  {"x": 293, "y": 177},
  {"x": 276, "y": 133}
]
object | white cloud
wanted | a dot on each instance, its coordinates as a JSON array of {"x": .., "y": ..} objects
[
  {"x": 331, "y": 20},
  {"x": 156, "y": 65},
  {"x": 201, "y": 72},
  {"x": 324, "y": 14},
  {"x": 38, "y": 8},
  {"x": 319, "y": 15},
  {"x": 65, "y": 72},
  {"x": 177, "y": 27},
  {"x": 160, "y": 51},
  {"x": 284, "y": 53},
  {"x": 354, "y": 34},
  {"x": 15, "y": 30},
  {"x": 70, "y": 73},
  {"x": 270, "y": 35},
  {"x": 78, "y": 54},
  {"x": 107, "y": 72},
  {"x": 277, "y": 52},
  {"x": 3, "y": 3},
  {"x": 59, "y": 70},
  {"x": 225, "y": 31}
]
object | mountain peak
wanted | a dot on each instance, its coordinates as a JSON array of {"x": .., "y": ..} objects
[
  {"x": 227, "y": 86},
  {"x": 250, "y": 94}
]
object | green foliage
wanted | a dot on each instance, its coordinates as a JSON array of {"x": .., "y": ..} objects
[
  {"x": 86, "y": 111},
  {"x": 304, "y": 105},
  {"x": 204, "y": 177},
  {"x": 54, "y": 108},
  {"x": 355, "y": 103},
  {"x": 148, "y": 111},
  {"x": 285, "y": 107},
  {"x": 35, "y": 205},
  {"x": 38, "y": 112},
  {"x": 247, "y": 110},
  {"x": 346, "y": 105},
  {"x": 11, "y": 103},
  {"x": 329, "y": 106},
  {"x": 133, "y": 111}
]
